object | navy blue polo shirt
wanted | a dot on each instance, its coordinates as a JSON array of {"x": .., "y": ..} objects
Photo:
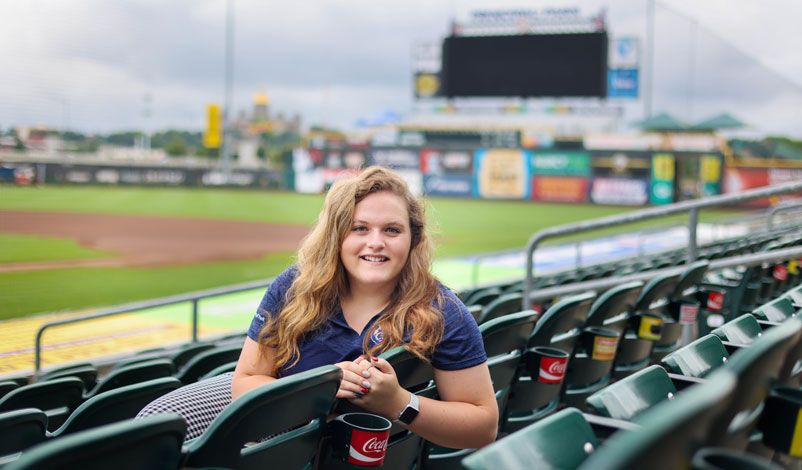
[{"x": 461, "y": 346}]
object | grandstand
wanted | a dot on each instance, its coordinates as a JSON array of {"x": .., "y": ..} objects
[{"x": 683, "y": 358}]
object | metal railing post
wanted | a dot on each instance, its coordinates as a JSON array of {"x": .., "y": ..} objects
[
  {"x": 693, "y": 223},
  {"x": 194, "y": 320}
]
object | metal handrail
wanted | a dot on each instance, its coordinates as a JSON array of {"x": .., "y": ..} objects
[
  {"x": 691, "y": 207},
  {"x": 752, "y": 259},
  {"x": 780, "y": 208},
  {"x": 193, "y": 297}
]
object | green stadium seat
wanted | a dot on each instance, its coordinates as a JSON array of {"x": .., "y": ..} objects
[
  {"x": 685, "y": 294},
  {"x": 756, "y": 368},
  {"x": 742, "y": 330},
  {"x": 117, "y": 404},
  {"x": 227, "y": 367},
  {"x": 295, "y": 406},
  {"x": 152, "y": 443},
  {"x": 475, "y": 311},
  {"x": 504, "y": 339},
  {"x": 718, "y": 458},
  {"x": 132, "y": 374},
  {"x": 585, "y": 374},
  {"x": 206, "y": 361},
  {"x": 187, "y": 352},
  {"x": 57, "y": 398},
  {"x": 7, "y": 386},
  {"x": 20, "y": 429},
  {"x": 559, "y": 327},
  {"x": 88, "y": 374},
  {"x": 634, "y": 394},
  {"x": 634, "y": 351},
  {"x": 502, "y": 305},
  {"x": 561, "y": 441},
  {"x": 670, "y": 432},
  {"x": 483, "y": 296},
  {"x": 775, "y": 311},
  {"x": 795, "y": 295},
  {"x": 697, "y": 359},
  {"x": 140, "y": 358}
]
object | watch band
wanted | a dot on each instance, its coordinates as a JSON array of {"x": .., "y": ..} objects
[{"x": 410, "y": 411}]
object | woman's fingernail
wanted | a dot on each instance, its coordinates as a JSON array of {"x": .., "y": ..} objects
[
  {"x": 366, "y": 384},
  {"x": 364, "y": 390},
  {"x": 375, "y": 359},
  {"x": 365, "y": 374},
  {"x": 357, "y": 395}
]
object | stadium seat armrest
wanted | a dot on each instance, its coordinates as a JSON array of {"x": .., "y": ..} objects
[
  {"x": 682, "y": 382},
  {"x": 765, "y": 324}
]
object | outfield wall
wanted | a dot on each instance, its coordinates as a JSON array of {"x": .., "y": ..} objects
[{"x": 609, "y": 177}]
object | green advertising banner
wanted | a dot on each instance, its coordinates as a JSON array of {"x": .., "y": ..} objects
[
  {"x": 561, "y": 163},
  {"x": 662, "y": 181}
]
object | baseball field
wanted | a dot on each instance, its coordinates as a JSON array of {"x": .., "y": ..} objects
[
  {"x": 67, "y": 248},
  {"x": 67, "y": 251}
]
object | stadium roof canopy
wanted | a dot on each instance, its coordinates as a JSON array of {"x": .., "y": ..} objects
[
  {"x": 721, "y": 121},
  {"x": 661, "y": 122}
]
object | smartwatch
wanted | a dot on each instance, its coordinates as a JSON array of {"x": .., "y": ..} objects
[{"x": 410, "y": 411}]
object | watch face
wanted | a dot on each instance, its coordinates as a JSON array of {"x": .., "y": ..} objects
[{"x": 408, "y": 415}]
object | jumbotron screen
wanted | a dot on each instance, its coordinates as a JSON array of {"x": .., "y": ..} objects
[{"x": 533, "y": 65}]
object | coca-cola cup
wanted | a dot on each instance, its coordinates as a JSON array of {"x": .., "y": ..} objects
[
  {"x": 360, "y": 439},
  {"x": 547, "y": 365}
]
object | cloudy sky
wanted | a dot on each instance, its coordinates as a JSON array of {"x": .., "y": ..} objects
[{"x": 99, "y": 65}]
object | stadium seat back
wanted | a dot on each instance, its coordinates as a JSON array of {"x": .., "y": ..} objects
[
  {"x": 757, "y": 368},
  {"x": 656, "y": 293},
  {"x": 742, "y": 330},
  {"x": 152, "y": 443},
  {"x": 561, "y": 441},
  {"x": 510, "y": 332},
  {"x": 670, "y": 432},
  {"x": 206, "y": 361},
  {"x": 20, "y": 430},
  {"x": 88, "y": 374},
  {"x": 117, "y": 404},
  {"x": 611, "y": 309},
  {"x": 698, "y": 358},
  {"x": 560, "y": 325},
  {"x": 57, "y": 398},
  {"x": 634, "y": 394},
  {"x": 503, "y": 305},
  {"x": 227, "y": 367},
  {"x": 7, "y": 386},
  {"x": 183, "y": 355},
  {"x": 132, "y": 374},
  {"x": 777, "y": 310},
  {"x": 483, "y": 296},
  {"x": 295, "y": 406}
]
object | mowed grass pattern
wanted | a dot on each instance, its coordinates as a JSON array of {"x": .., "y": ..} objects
[{"x": 460, "y": 227}]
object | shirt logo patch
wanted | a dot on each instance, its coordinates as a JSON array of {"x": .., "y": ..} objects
[{"x": 377, "y": 336}]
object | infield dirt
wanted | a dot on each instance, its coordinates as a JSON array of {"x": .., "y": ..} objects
[{"x": 146, "y": 241}]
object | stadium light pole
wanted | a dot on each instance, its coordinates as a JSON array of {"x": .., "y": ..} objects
[
  {"x": 647, "y": 95},
  {"x": 229, "y": 78}
]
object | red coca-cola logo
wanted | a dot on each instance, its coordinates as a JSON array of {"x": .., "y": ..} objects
[
  {"x": 715, "y": 301},
  {"x": 780, "y": 273},
  {"x": 368, "y": 447},
  {"x": 552, "y": 369}
]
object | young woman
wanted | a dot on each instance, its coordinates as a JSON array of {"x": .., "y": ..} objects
[{"x": 362, "y": 286}]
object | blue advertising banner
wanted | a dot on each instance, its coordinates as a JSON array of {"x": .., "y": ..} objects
[
  {"x": 448, "y": 185},
  {"x": 622, "y": 83}
]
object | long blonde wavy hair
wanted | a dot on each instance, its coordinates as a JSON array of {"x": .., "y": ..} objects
[{"x": 415, "y": 306}]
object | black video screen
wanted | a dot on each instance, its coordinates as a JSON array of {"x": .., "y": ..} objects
[{"x": 534, "y": 65}]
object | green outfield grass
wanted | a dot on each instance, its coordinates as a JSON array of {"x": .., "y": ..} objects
[
  {"x": 461, "y": 227},
  {"x": 28, "y": 249}
]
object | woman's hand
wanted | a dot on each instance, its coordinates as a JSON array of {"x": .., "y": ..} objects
[
  {"x": 354, "y": 383},
  {"x": 380, "y": 392}
]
